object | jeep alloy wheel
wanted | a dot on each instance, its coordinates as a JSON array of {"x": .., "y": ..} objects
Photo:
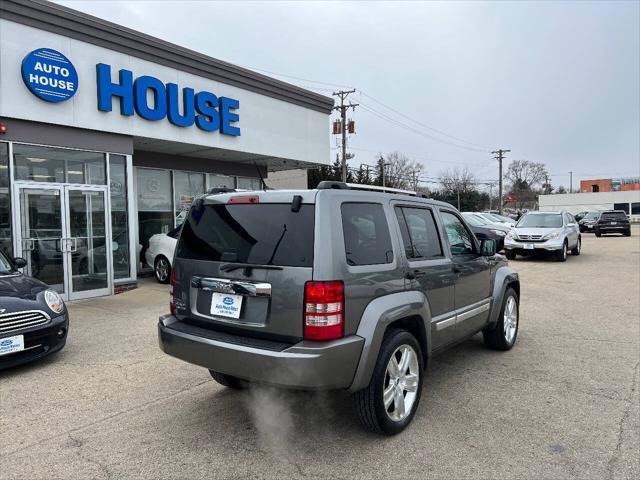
[{"x": 401, "y": 383}]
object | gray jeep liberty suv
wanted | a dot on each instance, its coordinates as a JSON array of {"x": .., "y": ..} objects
[{"x": 333, "y": 288}]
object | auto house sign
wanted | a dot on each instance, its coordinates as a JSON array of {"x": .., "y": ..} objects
[{"x": 49, "y": 75}]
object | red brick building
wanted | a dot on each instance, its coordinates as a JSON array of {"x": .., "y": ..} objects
[{"x": 610, "y": 185}]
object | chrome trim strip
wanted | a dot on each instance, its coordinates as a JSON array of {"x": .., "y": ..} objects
[
  {"x": 445, "y": 320},
  {"x": 473, "y": 312},
  {"x": 236, "y": 287}
]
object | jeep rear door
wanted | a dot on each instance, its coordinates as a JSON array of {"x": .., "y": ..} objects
[
  {"x": 242, "y": 262},
  {"x": 428, "y": 269}
]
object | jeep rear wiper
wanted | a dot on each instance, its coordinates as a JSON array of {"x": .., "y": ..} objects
[{"x": 229, "y": 267}]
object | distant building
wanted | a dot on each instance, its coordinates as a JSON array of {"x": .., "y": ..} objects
[
  {"x": 628, "y": 200},
  {"x": 610, "y": 185}
]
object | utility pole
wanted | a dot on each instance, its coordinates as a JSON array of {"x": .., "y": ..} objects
[
  {"x": 342, "y": 108},
  {"x": 499, "y": 155},
  {"x": 490, "y": 195},
  {"x": 571, "y": 182}
]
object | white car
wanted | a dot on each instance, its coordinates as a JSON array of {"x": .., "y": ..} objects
[
  {"x": 494, "y": 217},
  {"x": 159, "y": 255}
]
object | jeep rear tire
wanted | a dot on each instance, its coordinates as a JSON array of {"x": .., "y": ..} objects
[
  {"x": 503, "y": 335},
  {"x": 510, "y": 254},
  {"x": 390, "y": 401},
  {"x": 227, "y": 380}
]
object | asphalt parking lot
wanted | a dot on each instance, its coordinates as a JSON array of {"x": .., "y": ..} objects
[{"x": 562, "y": 404}]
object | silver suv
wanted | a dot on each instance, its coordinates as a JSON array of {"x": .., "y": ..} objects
[
  {"x": 544, "y": 232},
  {"x": 333, "y": 288}
]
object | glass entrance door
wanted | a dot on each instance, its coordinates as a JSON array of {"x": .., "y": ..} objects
[
  {"x": 41, "y": 231},
  {"x": 89, "y": 252},
  {"x": 65, "y": 238}
]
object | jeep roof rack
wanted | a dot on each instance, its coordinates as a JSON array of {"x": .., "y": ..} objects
[{"x": 334, "y": 185}]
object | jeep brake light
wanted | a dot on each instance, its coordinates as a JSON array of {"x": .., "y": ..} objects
[
  {"x": 323, "y": 310},
  {"x": 244, "y": 199},
  {"x": 172, "y": 284}
]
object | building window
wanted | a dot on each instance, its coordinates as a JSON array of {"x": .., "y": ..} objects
[
  {"x": 595, "y": 188},
  {"x": 621, "y": 206},
  {"x": 155, "y": 209},
  {"x": 221, "y": 181},
  {"x": 248, "y": 183},
  {"x": 187, "y": 186},
  {"x": 119, "y": 216},
  {"x": 58, "y": 165},
  {"x": 5, "y": 201}
]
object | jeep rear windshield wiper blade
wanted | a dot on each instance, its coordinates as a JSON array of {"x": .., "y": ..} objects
[{"x": 229, "y": 267}]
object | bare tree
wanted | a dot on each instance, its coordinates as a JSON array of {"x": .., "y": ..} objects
[
  {"x": 399, "y": 171},
  {"x": 523, "y": 174},
  {"x": 458, "y": 180}
]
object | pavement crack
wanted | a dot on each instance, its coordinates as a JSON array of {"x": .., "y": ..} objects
[
  {"x": 625, "y": 416},
  {"x": 103, "y": 419},
  {"x": 77, "y": 445}
]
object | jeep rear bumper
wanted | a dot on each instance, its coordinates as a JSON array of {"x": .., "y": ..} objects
[{"x": 305, "y": 365}]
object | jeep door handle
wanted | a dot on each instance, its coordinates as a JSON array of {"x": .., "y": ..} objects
[{"x": 414, "y": 274}]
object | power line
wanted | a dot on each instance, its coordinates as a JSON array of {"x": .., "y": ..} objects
[
  {"x": 415, "y": 130},
  {"x": 421, "y": 159},
  {"x": 291, "y": 76},
  {"x": 422, "y": 124}
]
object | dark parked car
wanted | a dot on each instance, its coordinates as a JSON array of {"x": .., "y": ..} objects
[
  {"x": 334, "y": 289},
  {"x": 588, "y": 221},
  {"x": 613, "y": 221},
  {"x": 33, "y": 317},
  {"x": 580, "y": 216},
  {"x": 483, "y": 230}
]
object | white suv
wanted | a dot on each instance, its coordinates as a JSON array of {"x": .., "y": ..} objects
[{"x": 551, "y": 232}]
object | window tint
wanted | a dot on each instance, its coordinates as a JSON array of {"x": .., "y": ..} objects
[
  {"x": 459, "y": 237},
  {"x": 366, "y": 234},
  {"x": 613, "y": 216},
  {"x": 266, "y": 234},
  {"x": 419, "y": 233},
  {"x": 635, "y": 208}
]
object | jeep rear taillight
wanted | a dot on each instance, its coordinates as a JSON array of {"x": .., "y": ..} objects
[
  {"x": 323, "y": 310},
  {"x": 172, "y": 286}
]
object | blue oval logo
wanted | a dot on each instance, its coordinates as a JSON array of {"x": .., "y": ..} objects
[
  {"x": 49, "y": 75},
  {"x": 227, "y": 301},
  {"x": 4, "y": 343}
]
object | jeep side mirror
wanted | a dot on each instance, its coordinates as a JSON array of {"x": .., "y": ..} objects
[
  {"x": 488, "y": 247},
  {"x": 19, "y": 262}
]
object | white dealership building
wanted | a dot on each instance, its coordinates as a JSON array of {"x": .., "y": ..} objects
[{"x": 107, "y": 135}]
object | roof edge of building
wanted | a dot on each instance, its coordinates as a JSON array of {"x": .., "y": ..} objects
[{"x": 78, "y": 25}]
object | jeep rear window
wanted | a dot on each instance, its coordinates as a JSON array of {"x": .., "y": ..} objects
[{"x": 266, "y": 234}]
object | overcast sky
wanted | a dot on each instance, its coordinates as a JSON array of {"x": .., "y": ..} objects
[{"x": 555, "y": 82}]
